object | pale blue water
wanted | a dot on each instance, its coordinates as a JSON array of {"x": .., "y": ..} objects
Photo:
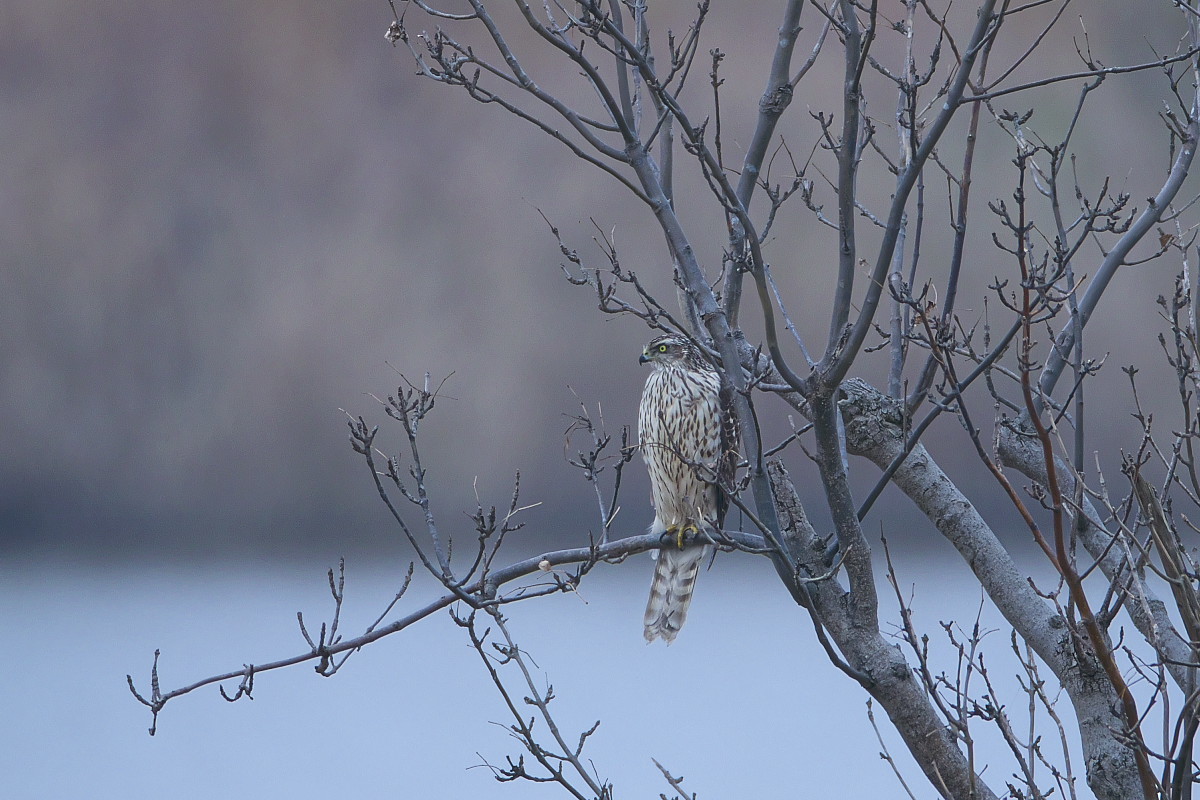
[{"x": 744, "y": 704}]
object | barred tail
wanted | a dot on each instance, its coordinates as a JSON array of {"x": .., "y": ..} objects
[{"x": 675, "y": 574}]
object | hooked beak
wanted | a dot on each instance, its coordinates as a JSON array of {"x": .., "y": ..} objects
[{"x": 643, "y": 358}]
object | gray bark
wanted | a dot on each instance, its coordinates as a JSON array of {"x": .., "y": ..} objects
[
  {"x": 874, "y": 430},
  {"x": 888, "y": 676}
]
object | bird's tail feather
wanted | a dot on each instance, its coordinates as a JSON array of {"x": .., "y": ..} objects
[{"x": 675, "y": 574}]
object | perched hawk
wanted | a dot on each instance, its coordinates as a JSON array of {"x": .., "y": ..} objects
[{"x": 687, "y": 442}]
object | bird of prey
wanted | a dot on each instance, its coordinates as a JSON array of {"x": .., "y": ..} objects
[{"x": 688, "y": 443}]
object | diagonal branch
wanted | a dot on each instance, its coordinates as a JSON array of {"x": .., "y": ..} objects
[{"x": 482, "y": 593}]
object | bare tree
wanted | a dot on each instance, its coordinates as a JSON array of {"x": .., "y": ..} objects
[{"x": 894, "y": 196}]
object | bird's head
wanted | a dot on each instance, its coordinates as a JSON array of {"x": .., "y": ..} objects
[{"x": 667, "y": 351}]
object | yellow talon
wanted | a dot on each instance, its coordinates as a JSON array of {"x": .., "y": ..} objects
[
  {"x": 682, "y": 534},
  {"x": 679, "y": 535}
]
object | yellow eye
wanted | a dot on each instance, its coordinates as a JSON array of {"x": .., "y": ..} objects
[{"x": 662, "y": 348}]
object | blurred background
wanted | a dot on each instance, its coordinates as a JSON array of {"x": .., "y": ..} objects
[{"x": 226, "y": 226}]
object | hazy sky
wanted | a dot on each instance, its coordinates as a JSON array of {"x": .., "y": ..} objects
[{"x": 226, "y": 225}]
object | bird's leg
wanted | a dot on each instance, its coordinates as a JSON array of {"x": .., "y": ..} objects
[
  {"x": 684, "y": 532},
  {"x": 671, "y": 534},
  {"x": 679, "y": 534}
]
